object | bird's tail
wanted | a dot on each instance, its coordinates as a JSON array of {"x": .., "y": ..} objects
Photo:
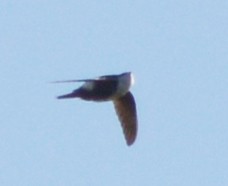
[{"x": 71, "y": 95}]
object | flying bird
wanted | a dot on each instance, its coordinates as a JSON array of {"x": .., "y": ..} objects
[{"x": 111, "y": 88}]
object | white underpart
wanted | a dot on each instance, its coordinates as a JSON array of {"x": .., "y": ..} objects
[
  {"x": 125, "y": 83},
  {"x": 88, "y": 85}
]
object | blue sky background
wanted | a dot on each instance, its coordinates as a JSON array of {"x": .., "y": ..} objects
[{"x": 178, "y": 52}]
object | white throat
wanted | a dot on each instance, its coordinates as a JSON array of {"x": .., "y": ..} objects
[{"x": 125, "y": 82}]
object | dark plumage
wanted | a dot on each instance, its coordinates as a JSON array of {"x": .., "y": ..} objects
[{"x": 111, "y": 88}]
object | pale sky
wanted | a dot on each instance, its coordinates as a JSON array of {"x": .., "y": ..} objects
[{"x": 178, "y": 52}]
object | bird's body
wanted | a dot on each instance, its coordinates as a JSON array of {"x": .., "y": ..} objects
[{"x": 111, "y": 88}]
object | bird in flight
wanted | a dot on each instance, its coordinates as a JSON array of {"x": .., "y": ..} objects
[{"x": 111, "y": 88}]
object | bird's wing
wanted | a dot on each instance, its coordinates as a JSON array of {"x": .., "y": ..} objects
[{"x": 126, "y": 110}]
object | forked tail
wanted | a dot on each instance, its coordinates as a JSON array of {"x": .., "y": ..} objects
[{"x": 71, "y": 95}]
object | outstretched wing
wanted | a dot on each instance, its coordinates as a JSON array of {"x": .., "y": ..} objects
[{"x": 126, "y": 110}]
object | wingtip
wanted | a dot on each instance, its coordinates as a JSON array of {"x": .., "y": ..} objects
[
  {"x": 130, "y": 143},
  {"x": 130, "y": 139}
]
